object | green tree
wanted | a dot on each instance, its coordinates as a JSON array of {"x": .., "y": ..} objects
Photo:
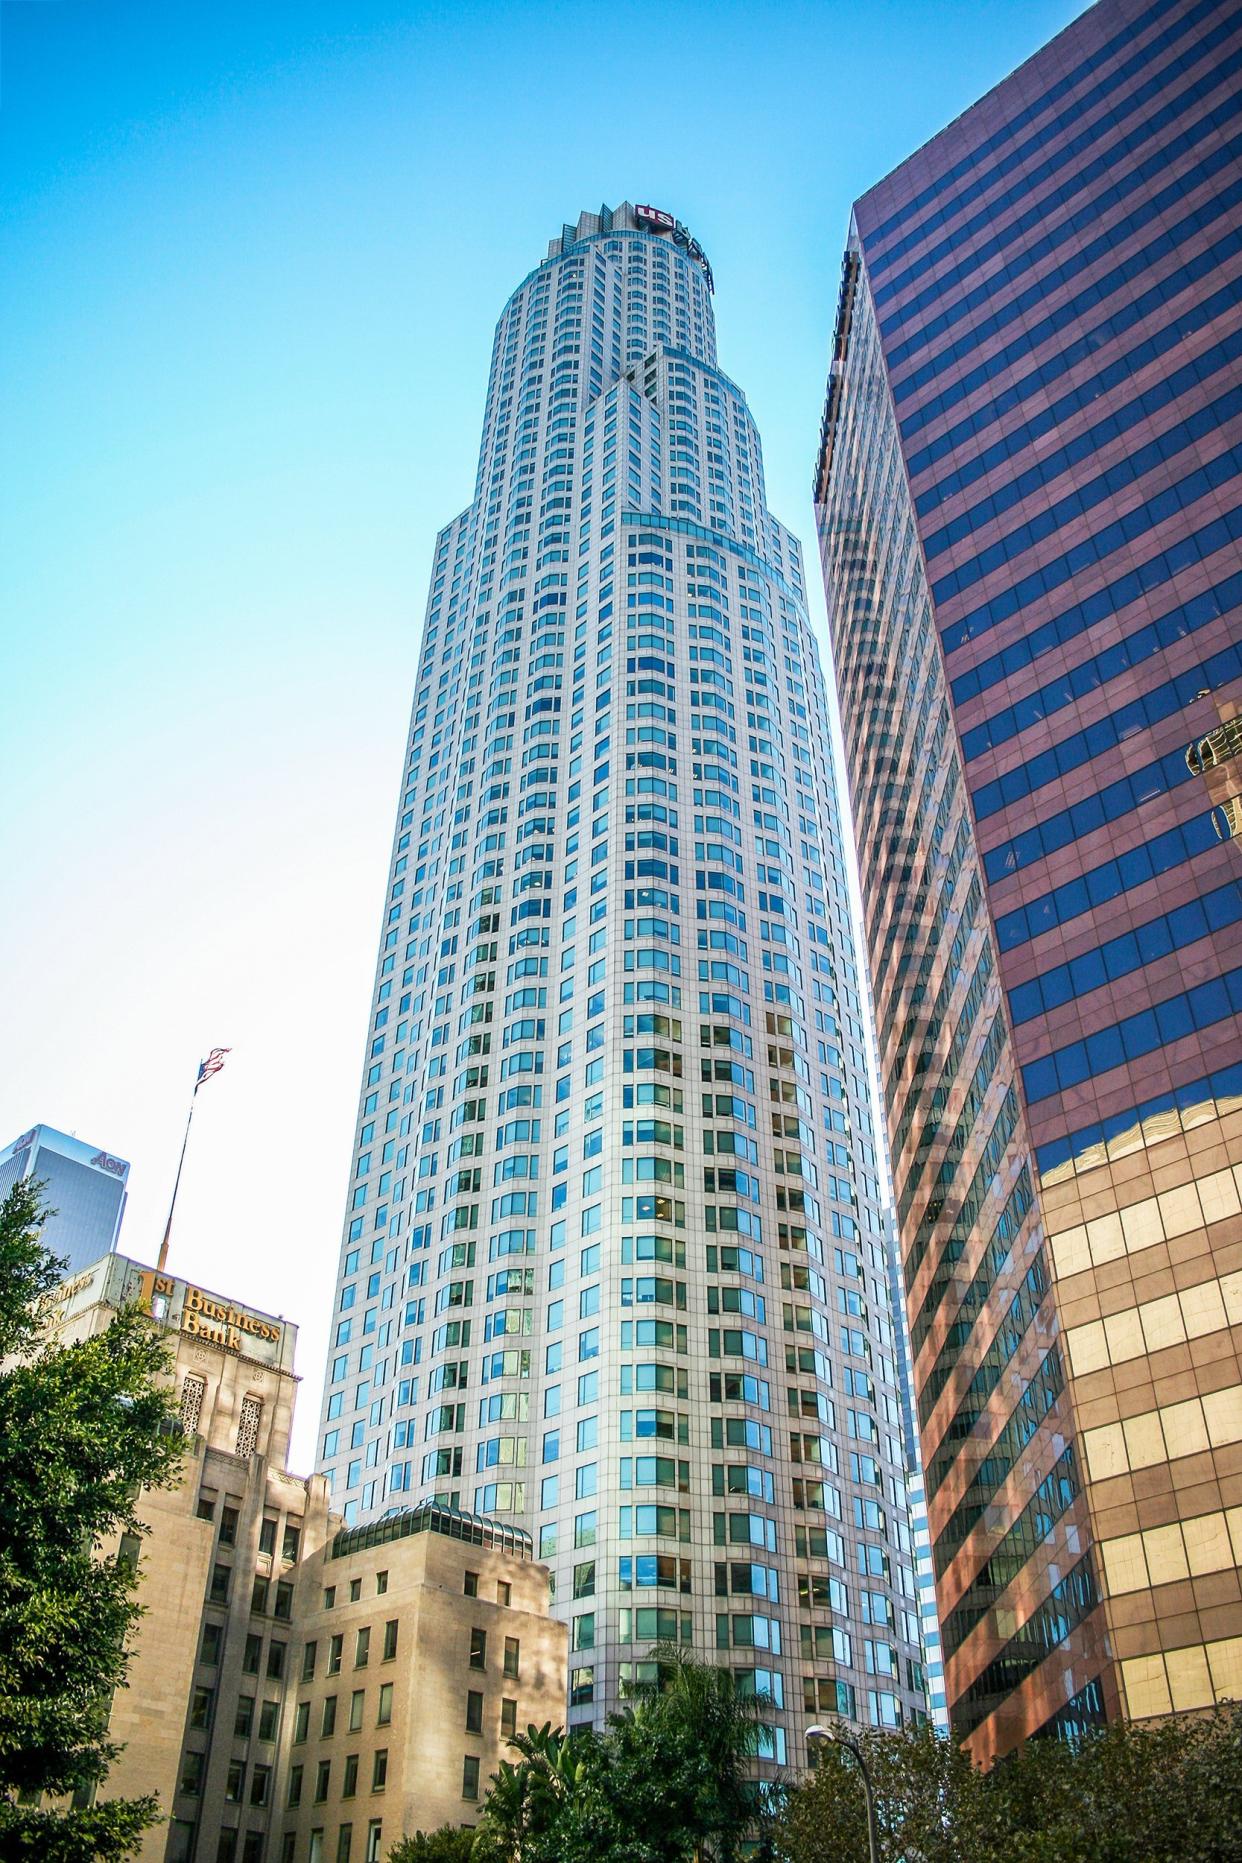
[
  {"x": 83, "y": 1428},
  {"x": 684, "y": 1748},
  {"x": 528, "y": 1803},
  {"x": 450, "y": 1844},
  {"x": 1160, "y": 1792},
  {"x": 667, "y": 1782},
  {"x": 923, "y": 1789}
]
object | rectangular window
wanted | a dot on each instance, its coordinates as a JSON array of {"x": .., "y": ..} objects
[
  {"x": 275, "y": 1661},
  {"x": 390, "y": 1639},
  {"x": 200, "y": 1709},
  {"x": 335, "y": 1647},
  {"x": 228, "y": 1526},
  {"x": 478, "y": 1648},
  {"x": 267, "y": 1537},
  {"x": 470, "y": 1777},
  {"x": 252, "y": 1659},
  {"x": 344, "y": 1843},
  {"x": 362, "y": 1647},
  {"x": 508, "y": 1718},
  {"x": 375, "y": 1839},
  {"x": 243, "y": 1720},
  {"x": 308, "y": 1662},
  {"x": 269, "y": 1720},
  {"x": 384, "y": 1715},
  {"x": 260, "y": 1785},
  {"x": 235, "y": 1782},
  {"x": 349, "y": 1784},
  {"x": 191, "y": 1782},
  {"x": 357, "y": 1702},
  {"x": 213, "y": 1638},
  {"x": 470, "y": 1584},
  {"x": 295, "y": 1785},
  {"x": 379, "y": 1770},
  {"x": 474, "y": 1712},
  {"x": 328, "y": 1726},
  {"x": 301, "y": 1722},
  {"x": 323, "y": 1779},
  {"x": 513, "y": 1650}
]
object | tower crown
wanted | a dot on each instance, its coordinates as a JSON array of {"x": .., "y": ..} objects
[{"x": 630, "y": 219}]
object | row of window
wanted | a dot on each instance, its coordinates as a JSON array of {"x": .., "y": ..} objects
[
  {"x": 1153, "y": 209},
  {"x": 1195, "y": 426},
  {"x": 1004, "y": 141},
  {"x": 1109, "y": 880},
  {"x": 1169, "y": 501},
  {"x": 356, "y": 1714},
  {"x": 1156, "y": 703},
  {"x": 1112, "y": 160},
  {"x": 1137, "y": 583},
  {"x": 362, "y": 1649},
  {"x": 322, "y": 1777},
  {"x": 1200, "y": 1007},
  {"x": 372, "y": 1842},
  {"x": 1049, "y": 414},
  {"x": 1118, "y": 957},
  {"x": 1210, "y": 1096}
]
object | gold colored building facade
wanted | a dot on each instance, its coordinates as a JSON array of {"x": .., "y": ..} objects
[{"x": 1026, "y": 502}]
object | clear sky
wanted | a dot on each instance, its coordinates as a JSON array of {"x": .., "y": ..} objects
[{"x": 251, "y": 258}]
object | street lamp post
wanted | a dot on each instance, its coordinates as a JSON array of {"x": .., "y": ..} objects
[{"x": 846, "y": 1740}]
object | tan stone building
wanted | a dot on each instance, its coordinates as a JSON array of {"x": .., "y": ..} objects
[
  {"x": 424, "y": 1642},
  {"x": 255, "y": 1602}
]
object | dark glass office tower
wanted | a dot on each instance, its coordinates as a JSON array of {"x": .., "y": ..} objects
[
  {"x": 85, "y": 1191},
  {"x": 1028, "y": 494}
]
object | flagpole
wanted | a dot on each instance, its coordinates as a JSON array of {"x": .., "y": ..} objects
[
  {"x": 212, "y": 1065},
  {"x": 163, "y": 1255}
]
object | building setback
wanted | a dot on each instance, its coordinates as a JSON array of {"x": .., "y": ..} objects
[
  {"x": 1027, "y": 497},
  {"x": 613, "y": 1263},
  {"x": 299, "y": 1693}
]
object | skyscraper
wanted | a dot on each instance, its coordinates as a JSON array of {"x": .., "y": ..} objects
[
  {"x": 86, "y": 1190},
  {"x": 613, "y": 1264},
  {"x": 1027, "y": 496}
]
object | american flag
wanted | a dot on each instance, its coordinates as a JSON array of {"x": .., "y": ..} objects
[{"x": 212, "y": 1065}]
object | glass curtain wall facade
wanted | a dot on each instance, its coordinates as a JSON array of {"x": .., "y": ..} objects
[
  {"x": 613, "y": 1264},
  {"x": 86, "y": 1191},
  {"x": 1027, "y": 498}
]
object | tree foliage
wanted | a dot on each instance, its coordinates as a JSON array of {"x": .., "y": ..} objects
[
  {"x": 452, "y": 1843},
  {"x": 666, "y": 1782},
  {"x": 1132, "y": 1793},
  {"x": 83, "y": 1428}
]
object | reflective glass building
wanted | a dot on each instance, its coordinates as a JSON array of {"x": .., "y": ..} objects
[
  {"x": 85, "y": 1189},
  {"x": 613, "y": 1266},
  {"x": 1028, "y": 498}
]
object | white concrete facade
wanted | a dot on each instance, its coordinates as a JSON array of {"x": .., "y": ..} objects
[{"x": 613, "y": 1262}]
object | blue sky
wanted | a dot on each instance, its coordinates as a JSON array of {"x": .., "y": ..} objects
[{"x": 251, "y": 258}]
